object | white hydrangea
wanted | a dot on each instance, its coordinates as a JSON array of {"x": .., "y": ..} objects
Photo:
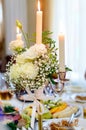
[
  {"x": 15, "y": 45},
  {"x": 25, "y": 70}
]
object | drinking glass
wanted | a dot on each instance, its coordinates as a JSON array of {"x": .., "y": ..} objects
[{"x": 5, "y": 94}]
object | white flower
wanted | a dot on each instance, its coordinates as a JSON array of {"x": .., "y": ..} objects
[
  {"x": 29, "y": 70},
  {"x": 15, "y": 45},
  {"x": 35, "y": 51},
  {"x": 30, "y": 54},
  {"x": 20, "y": 59},
  {"x": 40, "y": 49},
  {"x": 25, "y": 70},
  {"x": 14, "y": 71}
]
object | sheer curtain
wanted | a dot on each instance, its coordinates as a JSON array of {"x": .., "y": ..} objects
[
  {"x": 72, "y": 17},
  {"x": 13, "y": 10},
  {"x": 1, "y": 22}
]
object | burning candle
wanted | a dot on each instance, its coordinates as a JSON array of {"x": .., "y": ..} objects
[
  {"x": 18, "y": 34},
  {"x": 61, "y": 53},
  {"x": 39, "y": 25}
]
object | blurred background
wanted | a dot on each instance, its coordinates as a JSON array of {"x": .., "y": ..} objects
[{"x": 67, "y": 16}]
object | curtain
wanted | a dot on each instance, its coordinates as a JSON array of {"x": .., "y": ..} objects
[
  {"x": 1, "y": 22},
  {"x": 72, "y": 17},
  {"x": 13, "y": 10}
]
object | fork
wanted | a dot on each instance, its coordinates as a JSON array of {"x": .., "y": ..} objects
[{"x": 71, "y": 119}]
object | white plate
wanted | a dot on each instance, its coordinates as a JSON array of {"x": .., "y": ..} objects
[
  {"x": 81, "y": 123},
  {"x": 78, "y": 100},
  {"x": 26, "y": 97},
  {"x": 76, "y": 89},
  {"x": 29, "y": 98}
]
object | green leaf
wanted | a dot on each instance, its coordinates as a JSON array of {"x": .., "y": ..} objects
[
  {"x": 12, "y": 125},
  {"x": 68, "y": 69},
  {"x": 8, "y": 109}
]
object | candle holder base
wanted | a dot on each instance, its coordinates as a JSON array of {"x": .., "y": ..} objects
[{"x": 62, "y": 76}]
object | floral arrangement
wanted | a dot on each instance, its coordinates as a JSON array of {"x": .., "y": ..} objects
[{"x": 32, "y": 66}]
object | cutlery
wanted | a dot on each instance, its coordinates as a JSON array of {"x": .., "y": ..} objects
[{"x": 71, "y": 118}]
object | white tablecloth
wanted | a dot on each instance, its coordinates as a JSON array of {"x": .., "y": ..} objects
[{"x": 21, "y": 105}]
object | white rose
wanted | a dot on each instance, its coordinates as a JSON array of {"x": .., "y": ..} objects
[
  {"x": 30, "y": 54},
  {"x": 35, "y": 51},
  {"x": 40, "y": 49},
  {"x": 20, "y": 59},
  {"x": 15, "y": 45}
]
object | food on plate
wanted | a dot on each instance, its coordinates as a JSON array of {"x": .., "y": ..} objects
[
  {"x": 66, "y": 112},
  {"x": 28, "y": 111},
  {"x": 7, "y": 108},
  {"x": 60, "y": 109},
  {"x": 57, "y": 108},
  {"x": 81, "y": 97},
  {"x": 5, "y": 95},
  {"x": 54, "y": 105},
  {"x": 63, "y": 125},
  {"x": 45, "y": 115},
  {"x": 23, "y": 121},
  {"x": 54, "y": 109}
]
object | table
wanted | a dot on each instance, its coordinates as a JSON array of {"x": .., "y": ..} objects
[{"x": 65, "y": 96}]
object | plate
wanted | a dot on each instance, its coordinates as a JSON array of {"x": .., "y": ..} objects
[
  {"x": 76, "y": 114},
  {"x": 25, "y": 98},
  {"x": 11, "y": 113},
  {"x": 30, "y": 98},
  {"x": 81, "y": 123},
  {"x": 75, "y": 89},
  {"x": 79, "y": 97}
]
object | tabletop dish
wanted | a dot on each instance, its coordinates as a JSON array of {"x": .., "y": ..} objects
[
  {"x": 57, "y": 109},
  {"x": 79, "y": 97},
  {"x": 30, "y": 98},
  {"x": 81, "y": 124},
  {"x": 8, "y": 109},
  {"x": 25, "y": 98},
  {"x": 75, "y": 89}
]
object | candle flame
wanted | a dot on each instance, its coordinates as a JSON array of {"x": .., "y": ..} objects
[
  {"x": 38, "y": 5},
  {"x": 17, "y": 30},
  {"x": 61, "y": 27}
]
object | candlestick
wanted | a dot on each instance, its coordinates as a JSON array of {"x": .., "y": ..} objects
[
  {"x": 18, "y": 34},
  {"x": 39, "y": 25},
  {"x": 61, "y": 53},
  {"x": 40, "y": 118}
]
